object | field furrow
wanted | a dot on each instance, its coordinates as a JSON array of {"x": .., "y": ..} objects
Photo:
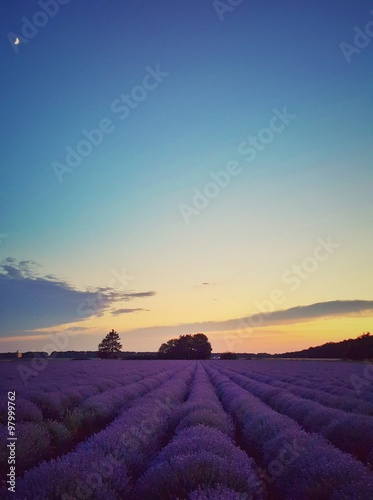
[
  {"x": 202, "y": 460},
  {"x": 49, "y": 439},
  {"x": 104, "y": 465},
  {"x": 190, "y": 430},
  {"x": 350, "y": 433},
  {"x": 295, "y": 464}
]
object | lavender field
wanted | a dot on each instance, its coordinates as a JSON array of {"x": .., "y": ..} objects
[{"x": 226, "y": 430}]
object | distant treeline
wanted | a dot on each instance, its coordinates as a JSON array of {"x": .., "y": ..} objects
[
  {"x": 76, "y": 355},
  {"x": 355, "y": 349},
  {"x": 95, "y": 354},
  {"x": 242, "y": 355},
  {"x": 352, "y": 349},
  {"x": 24, "y": 355}
]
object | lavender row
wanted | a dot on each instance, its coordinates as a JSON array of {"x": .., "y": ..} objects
[
  {"x": 71, "y": 377},
  {"x": 51, "y": 401},
  {"x": 350, "y": 433},
  {"x": 203, "y": 406},
  {"x": 50, "y": 438},
  {"x": 348, "y": 401},
  {"x": 328, "y": 374},
  {"x": 201, "y": 461},
  {"x": 333, "y": 378},
  {"x": 45, "y": 375},
  {"x": 294, "y": 464},
  {"x": 104, "y": 465}
]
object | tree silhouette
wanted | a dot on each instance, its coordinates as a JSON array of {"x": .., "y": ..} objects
[
  {"x": 361, "y": 348},
  {"x": 194, "y": 346},
  {"x": 228, "y": 355},
  {"x": 110, "y": 346}
]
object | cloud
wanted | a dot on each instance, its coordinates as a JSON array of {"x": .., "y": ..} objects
[
  {"x": 117, "y": 312},
  {"x": 77, "y": 329},
  {"x": 317, "y": 310},
  {"x": 139, "y": 295},
  {"x": 297, "y": 314},
  {"x": 29, "y": 301},
  {"x": 71, "y": 330},
  {"x": 285, "y": 316}
]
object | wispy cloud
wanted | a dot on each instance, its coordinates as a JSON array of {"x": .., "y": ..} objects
[
  {"x": 298, "y": 313},
  {"x": 209, "y": 283},
  {"x": 317, "y": 310},
  {"x": 117, "y": 312},
  {"x": 335, "y": 308},
  {"x": 29, "y": 301},
  {"x": 140, "y": 295},
  {"x": 77, "y": 329}
]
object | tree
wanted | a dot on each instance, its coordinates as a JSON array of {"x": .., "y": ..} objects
[
  {"x": 189, "y": 346},
  {"x": 110, "y": 346}
]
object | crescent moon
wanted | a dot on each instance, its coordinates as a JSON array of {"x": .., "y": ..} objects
[{"x": 17, "y": 41}]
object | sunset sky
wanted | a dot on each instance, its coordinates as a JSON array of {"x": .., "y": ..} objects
[{"x": 176, "y": 167}]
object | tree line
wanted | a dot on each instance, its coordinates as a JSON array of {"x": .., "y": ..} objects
[
  {"x": 194, "y": 346},
  {"x": 197, "y": 346},
  {"x": 351, "y": 349}
]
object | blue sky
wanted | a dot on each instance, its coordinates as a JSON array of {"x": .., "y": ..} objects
[{"x": 120, "y": 207}]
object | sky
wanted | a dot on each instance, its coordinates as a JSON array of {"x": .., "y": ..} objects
[{"x": 181, "y": 167}]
